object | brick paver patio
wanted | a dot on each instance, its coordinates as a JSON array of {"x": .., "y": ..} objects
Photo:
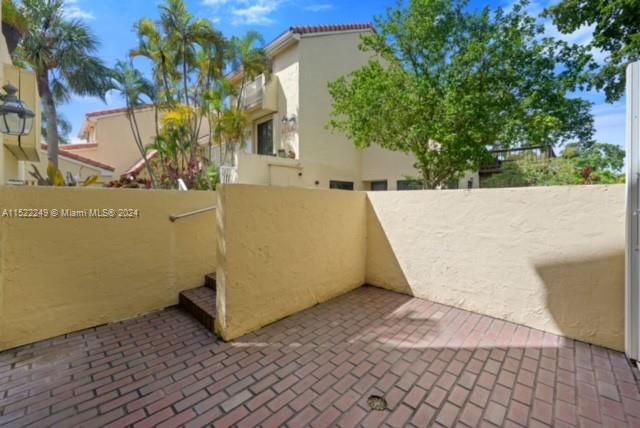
[{"x": 434, "y": 364}]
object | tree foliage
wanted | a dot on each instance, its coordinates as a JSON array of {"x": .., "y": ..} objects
[
  {"x": 188, "y": 90},
  {"x": 136, "y": 90},
  {"x": 592, "y": 163},
  {"x": 616, "y": 31},
  {"x": 62, "y": 53},
  {"x": 446, "y": 84}
]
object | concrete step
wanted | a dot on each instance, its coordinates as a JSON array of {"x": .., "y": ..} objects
[
  {"x": 201, "y": 303},
  {"x": 210, "y": 280}
]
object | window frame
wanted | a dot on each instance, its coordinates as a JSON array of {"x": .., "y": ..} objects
[
  {"x": 385, "y": 182},
  {"x": 257, "y": 125},
  {"x": 349, "y": 184},
  {"x": 409, "y": 187}
]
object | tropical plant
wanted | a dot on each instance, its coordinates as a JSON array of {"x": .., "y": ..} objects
[
  {"x": 591, "y": 163},
  {"x": 56, "y": 178},
  {"x": 185, "y": 55},
  {"x": 446, "y": 84},
  {"x": 616, "y": 31},
  {"x": 129, "y": 182},
  {"x": 187, "y": 88},
  {"x": 250, "y": 59},
  {"x": 61, "y": 52},
  {"x": 64, "y": 128},
  {"x": 14, "y": 25},
  {"x": 137, "y": 91},
  {"x": 11, "y": 15}
]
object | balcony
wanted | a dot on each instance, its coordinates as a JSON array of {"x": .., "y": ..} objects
[
  {"x": 261, "y": 94},
  {"x": 501, "y": 156}
]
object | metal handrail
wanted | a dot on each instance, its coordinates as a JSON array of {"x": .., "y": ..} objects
[{"x": 175, "y": 217}]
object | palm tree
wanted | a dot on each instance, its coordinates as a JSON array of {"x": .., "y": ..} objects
[
  {"x": 64, "y": 128},
  {"x": 248, "y": 57},
  {"x": 61, "y": 52},
  {"x": 187, "y": 59},
  {"x": 136, "y": 91}
]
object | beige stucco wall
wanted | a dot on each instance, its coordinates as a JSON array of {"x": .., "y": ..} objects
[
  {"x": 382, "y": 164},
  {"x": 319, "y": 145},
  {"x": 275, "y": 171},
  {"x": 115, "y": 143},
  {"x": 285, "y": 74},
  {"x": 550, "y": 258},
  {"x": 116, "y": 146},
  {"x": 281, "y": 250},
  {"x": 303, "y": 74},
  {"x": 61, "y": 275},
  {"x": 287, "y": 67}
]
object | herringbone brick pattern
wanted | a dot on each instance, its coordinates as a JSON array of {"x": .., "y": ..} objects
[{"x": 435, "y": 365}]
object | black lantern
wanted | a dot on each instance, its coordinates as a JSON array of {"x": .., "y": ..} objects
[{"x": 16, "y": 118}]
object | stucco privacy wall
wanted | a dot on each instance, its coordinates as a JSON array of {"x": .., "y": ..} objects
[
  {"x": 550, "y": 258},
  {"x": 61, "y": 275},
  {"x": 281, "y": 250}
]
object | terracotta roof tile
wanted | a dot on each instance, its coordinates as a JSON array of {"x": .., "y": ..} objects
[
  {"x": 307, "y": 29},
  {"x": 78, "y": 146},
  {"x": 139, "y": 165},
  {"x": 113, "y": 111},
  {"x": 77, "y": 157}
]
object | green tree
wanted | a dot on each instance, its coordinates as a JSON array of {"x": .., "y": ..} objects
[
  {"x": 445, "y": 84},
  {"x": 616, "y": 31},
  {"x": 246, "y": 55},
  {"x": 137, "y": 91},
  {"x": 186, "y": 55},
  {"x": 189, "y": 59},
  {"x": 590, "y": 163},
  {"x": 64, "y": 128},
  {"x": 61, "y": 52}
]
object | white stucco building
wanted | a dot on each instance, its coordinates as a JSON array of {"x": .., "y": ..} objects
[{"x": 288, "y": 143}]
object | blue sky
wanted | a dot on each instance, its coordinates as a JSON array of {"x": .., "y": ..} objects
[{"x": 112, "y": 21}]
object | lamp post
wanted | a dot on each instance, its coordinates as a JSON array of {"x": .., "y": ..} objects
[{"x": 16, "y": 118}]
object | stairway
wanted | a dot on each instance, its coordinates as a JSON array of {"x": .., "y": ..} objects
[{"x": 201, "y": 302}]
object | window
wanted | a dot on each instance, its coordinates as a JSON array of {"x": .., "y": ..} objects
[
  {"x": 409, "y": 184},
  {"x": 379, "y": 185},
  {"x": 265, "y": 138},
  {"x": 342, "y": 185}
]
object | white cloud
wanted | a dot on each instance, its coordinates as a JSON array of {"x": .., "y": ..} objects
[
  {"x": 244, "y": 12},
  {"x": 72, "y": 10},
  {"x": 214, "y": 3},
  {"x": 582, "y": 36},
  {"x": 255, "y": 12},
  {"x": 319, "y": 7}
]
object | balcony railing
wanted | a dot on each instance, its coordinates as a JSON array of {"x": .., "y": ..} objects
[
  {"x": 253, "y": 93},
  {"x": 228, "y": 174},
  {"x": 260, "y": 94},
  {"x": 538, "y": 153}
]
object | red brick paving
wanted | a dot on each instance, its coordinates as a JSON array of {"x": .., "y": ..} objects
[
  {"x": 436, "y": 366},
  {"x": 201, "y": 303}
]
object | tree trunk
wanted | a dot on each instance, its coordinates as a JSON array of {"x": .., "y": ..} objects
[
  {"x": 52, "y": 117},
  {"x": 138, "y": 139}
]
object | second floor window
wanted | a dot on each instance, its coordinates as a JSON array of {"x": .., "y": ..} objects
[{"x": 265, "y": 138}]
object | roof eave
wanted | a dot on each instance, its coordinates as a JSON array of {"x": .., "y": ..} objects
[{"x": 283, "y": 42}]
